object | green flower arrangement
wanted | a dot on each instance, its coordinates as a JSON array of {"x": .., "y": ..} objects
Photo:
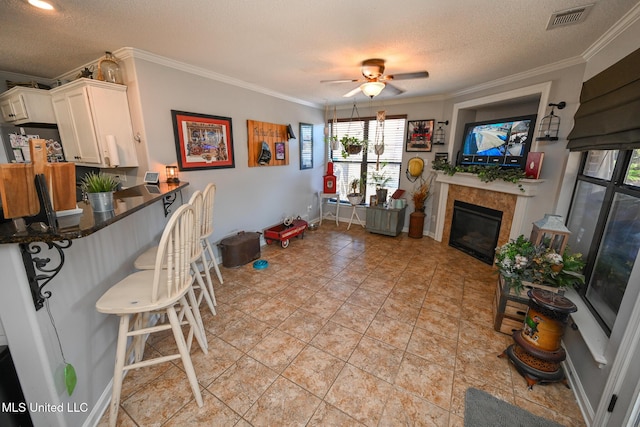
[
  {"x": 520, "y": 261},
  {"x": 485, "y": 173}
]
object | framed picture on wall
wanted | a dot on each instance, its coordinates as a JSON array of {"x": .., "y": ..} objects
[
  {"x": 280, "y": 151},
  {"x": 202, "y": 141},
  {"x": 419, "y": 135},
  {"x": 306, "y": 146}
]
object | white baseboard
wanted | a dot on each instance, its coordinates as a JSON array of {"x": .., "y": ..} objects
[
  {"x": 578, "y": 391},
  {"x": 100, "y": 407}
]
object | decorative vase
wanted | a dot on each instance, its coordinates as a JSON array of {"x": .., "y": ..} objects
[
  {"x": 108, "y": 69},
  {"x": 416, "y": 225},
  {"x": 101, "y": 202}
]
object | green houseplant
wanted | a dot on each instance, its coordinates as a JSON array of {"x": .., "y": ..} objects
[
  {"x": 351, "y": 145},
  {"x": 379, "y": 178},
  {"x": 355, "y": 197},
  {"x": 520, "y": 261},
  {"x": 99, "y": 188}
]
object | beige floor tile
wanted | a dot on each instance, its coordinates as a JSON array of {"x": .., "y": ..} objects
[
  {"x": 273, "y": 311},
  {"x": 390, "y": 331},
  {"x": 404, "y": 408},
  {"x": 212, "y": 413},
  {"x": 302, "y": 325},
  {"x": 401, "y": 310},
  {"x": 277, "y": 350},
  {"x": 426, "y": 379},
  {"x": 328, "y": 415},
  {"x": 377, "y": 358},
  {"x": 314, "y": 370},
  {"x": 283, "y": 404},
  {"x": 353, "y": 317},
  {"x": 433, "y": 347},
  {"x": 160, "y": 399},
  {"x": 323, "y": 307},
  {"x": 359, "y": 394},
  {"x": 438, "y": 323},
  {"x": 337, "y": 340},
  {"x": 245, "y": 333},
  {"x": 242, "y": 384}
]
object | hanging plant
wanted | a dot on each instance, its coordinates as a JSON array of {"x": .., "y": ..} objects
[{"x": 351, "y": 145}]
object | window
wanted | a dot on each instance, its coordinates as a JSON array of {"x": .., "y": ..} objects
[
  {"x": 361, "y": 166},
  {"x": 605, "y": 222}
]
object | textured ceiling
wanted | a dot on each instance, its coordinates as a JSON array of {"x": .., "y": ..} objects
[{"x": 288, "y": 46}]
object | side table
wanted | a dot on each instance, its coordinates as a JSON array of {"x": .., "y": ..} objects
[{"x": 329, "y": 215}]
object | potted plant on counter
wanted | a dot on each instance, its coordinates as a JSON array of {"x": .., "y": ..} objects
[
  {"x": 379, "y": 178},
  {"x": 99, "y": 188}
]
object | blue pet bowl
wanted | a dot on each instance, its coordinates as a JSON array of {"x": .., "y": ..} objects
[{"x": 260, "y": 264}]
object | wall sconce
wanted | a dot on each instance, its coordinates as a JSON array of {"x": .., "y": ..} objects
[
  {"x": 438, "y": 135},
  {"x": 172, "y": 175},
  {"x": 549, "y": 126}
]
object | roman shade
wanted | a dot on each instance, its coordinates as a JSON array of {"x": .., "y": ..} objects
[{"x": 609, "y": 114}]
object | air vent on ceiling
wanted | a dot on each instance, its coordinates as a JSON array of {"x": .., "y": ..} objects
[{"x": 569, "y": 16}]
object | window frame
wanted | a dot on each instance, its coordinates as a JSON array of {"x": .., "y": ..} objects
[
  {"x": 368, "y": 129},
  {"x": 612, "y": 187}
]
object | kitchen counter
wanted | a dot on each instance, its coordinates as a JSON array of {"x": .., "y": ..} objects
[{"x": 126, "y": 202}]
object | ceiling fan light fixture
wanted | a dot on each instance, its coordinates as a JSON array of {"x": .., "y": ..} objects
[
  {"x": 372, "y": 89},
  {"x": 40, "y": 4}
]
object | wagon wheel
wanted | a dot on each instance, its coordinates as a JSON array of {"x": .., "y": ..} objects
[{"x": 284, "y": 243}]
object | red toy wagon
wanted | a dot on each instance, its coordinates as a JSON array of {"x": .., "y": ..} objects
[{"x": 285, "y": 231}]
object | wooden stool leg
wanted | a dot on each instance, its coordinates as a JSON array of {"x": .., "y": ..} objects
[
  {"x": 121, "y": 352},
  {"x": 182, "y": 348}
]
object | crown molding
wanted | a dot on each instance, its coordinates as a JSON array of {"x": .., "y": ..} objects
[{"x": 612, "y": 33}]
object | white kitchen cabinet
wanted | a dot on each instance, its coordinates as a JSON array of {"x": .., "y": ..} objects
[
  {"x": 21, "y": 105},
  {"x": 91, "y": 113}
]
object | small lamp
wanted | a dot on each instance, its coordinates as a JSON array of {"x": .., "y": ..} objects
[
  {"x": 172, "y": 175},
  {"x": 438, "y": 135},
  {"x": 551, "y": 231},
  {"x": 550, "y": 124}
]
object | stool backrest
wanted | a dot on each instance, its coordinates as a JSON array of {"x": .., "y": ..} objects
[
  {"x": 197, "y": 201},
  {"x": 174, "y": 254},
  {"x": 209, "y": 196}
]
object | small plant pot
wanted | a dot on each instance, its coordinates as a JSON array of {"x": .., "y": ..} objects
[
  {"x": 354, "y": 149},
  {"x": 381, "y": 195},
  {"x": 354, "y": 198},
  {"x": 101, "y": 202}
]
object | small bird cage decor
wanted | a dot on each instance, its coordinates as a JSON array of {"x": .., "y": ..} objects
[
  {"x": 438, "y": 135},
  {"x": 550, "y": 124},
  {"x": 551, "y": 231}
]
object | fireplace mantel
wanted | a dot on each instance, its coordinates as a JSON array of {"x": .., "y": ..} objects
[{"x": 525, "y": 192}]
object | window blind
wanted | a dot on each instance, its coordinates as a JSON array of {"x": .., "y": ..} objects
[{"x": 609, "y": 114}]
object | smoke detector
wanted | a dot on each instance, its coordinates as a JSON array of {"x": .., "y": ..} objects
[{"x": 575, "y": 15}]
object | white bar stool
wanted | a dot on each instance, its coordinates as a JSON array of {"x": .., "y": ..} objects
[{"x": 159, "y": 290}]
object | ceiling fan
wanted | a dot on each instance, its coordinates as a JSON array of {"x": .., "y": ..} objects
[{"x": 375, "y": 80}]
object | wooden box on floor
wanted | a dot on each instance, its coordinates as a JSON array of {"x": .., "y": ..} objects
[{"x": 510, "y": 308}]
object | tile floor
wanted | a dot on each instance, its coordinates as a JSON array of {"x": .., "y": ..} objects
[{"x": 344, "y": 328}]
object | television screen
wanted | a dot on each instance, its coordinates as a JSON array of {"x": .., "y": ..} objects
[{"x": 503, "y": 142}]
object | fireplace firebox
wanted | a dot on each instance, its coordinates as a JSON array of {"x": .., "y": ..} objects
[{"x": 475, "y": 230}]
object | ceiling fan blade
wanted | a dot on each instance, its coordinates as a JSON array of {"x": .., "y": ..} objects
[
  {"x": 340, "y": 81},
  {"x": 407, "y": 76},
  {"x": 393, "y": 90},
  {"x": 352, "y": 93}
]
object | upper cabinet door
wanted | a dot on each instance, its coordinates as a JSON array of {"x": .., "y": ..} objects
[
  {"x": 21, "y": 105},
  {"x": 90, "y": 113}
]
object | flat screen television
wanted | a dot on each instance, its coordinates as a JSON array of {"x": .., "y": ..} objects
[{"x": 502, "y": 142}]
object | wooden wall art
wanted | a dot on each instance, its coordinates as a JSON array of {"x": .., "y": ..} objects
[{"x": 269, "y": 134}]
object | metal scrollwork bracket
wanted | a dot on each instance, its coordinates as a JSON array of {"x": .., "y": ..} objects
[
  {"x": 168, "y": 200},
  {"x": 39, "y": 271}
]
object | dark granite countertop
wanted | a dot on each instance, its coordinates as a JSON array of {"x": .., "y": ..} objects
[{"x": 126, "y": 202}]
